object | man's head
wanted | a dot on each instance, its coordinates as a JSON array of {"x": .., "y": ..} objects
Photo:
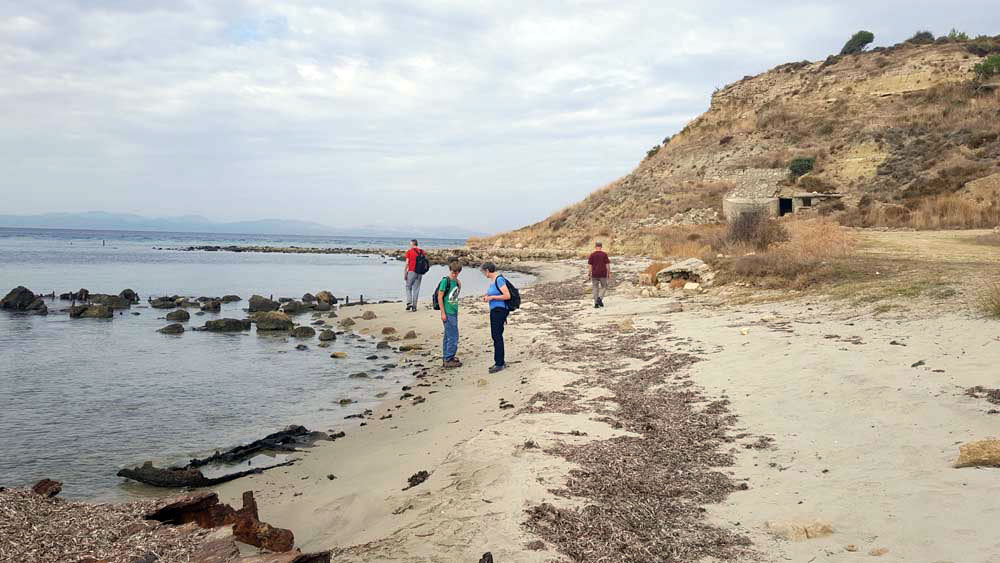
[
  {"x": 598, "y": 245},
  {"x": 488, "y": 268},
  {"x": 454, "y": 267},
  {"x": 413, "y": 243}
]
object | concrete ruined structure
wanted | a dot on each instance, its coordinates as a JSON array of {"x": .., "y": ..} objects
[{"x": 766, "y": 192}]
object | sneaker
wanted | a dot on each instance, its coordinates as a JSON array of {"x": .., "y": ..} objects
[
  {"x": 452, "y": 363},
  {"x": 597, "y": 305},
  {"x": 495, "y": 368}
]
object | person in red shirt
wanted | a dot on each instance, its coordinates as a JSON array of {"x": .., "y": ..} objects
[
  {"x": 600, "y": 271},
  {"x": 411, "y": 277}
]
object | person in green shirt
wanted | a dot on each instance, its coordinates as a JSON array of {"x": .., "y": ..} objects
[{"x": 447, "y": 295}]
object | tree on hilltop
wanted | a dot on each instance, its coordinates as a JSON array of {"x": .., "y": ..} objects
[{"x": 857, "y": 42}]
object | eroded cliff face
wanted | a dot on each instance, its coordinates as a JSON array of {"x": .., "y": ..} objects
[{"x": 897, "y": 125}]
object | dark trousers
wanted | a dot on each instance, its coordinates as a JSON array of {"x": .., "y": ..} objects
[{"x": 498, "y": 318}]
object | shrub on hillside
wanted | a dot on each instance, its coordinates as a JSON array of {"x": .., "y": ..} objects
[
  {"x": 801, "y": 165},
  {"x": 988, "y": 68},
  {"x": 956, "y": 35},
  {"x": 857, "y": 42},
  {"x": 652, "y": 152},
  {"x": 921, "y": 38},
  {"x": 755, "y": 228}
]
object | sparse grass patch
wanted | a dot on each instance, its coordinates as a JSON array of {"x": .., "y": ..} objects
[
  {"x": 942, "y": 212},
  {"x": 989, "y": 301}
]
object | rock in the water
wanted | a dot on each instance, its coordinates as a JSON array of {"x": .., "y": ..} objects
[
  {"x": 326, "y": 297},
  {"x": 91, "y": 311},
  {"x": 339, "y": 355},
  {"x": 382, "y": 345},
  {"x": 301, "y": 347},
  {"x": 250, "y": 530},
  {"x": 227, "y": 325},
  {"x": 369, "y": 315},
  {"x": 180, "y": 315},
  {"x": 23, "y": 299},
  {"x": 308, "y": 298},
  {"x": 81, "y": 295},
  {"x": 321, "y": 306},
  {"x": 231, "y": 298},
  {"x": 129, "y": 295},
  {"x": 388, "y": 330},
  {"x": 303, "y": 332},
  {"x": 294, "y": 307},
  {"x": 262, "y": 304},
  {"x": 327, "y": 335},
  {"x": 410, "y": 335},
  {"x": 348, "y": 322},
  {"x": 272, "y": 320},
  {"x": 984, "y": 453},
  {"x": 211, "y": 306},
  {"x": 175, "y": 328},
  {"x": 112, "y": 301},
  {"x": 47, "y": 488},
  {"x": 163, "y": 303}
]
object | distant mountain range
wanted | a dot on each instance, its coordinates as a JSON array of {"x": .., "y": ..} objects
[{"x": 100, "y": 220}]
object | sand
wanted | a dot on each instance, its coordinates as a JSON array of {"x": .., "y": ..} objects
[{"x": 836, "y": 429}]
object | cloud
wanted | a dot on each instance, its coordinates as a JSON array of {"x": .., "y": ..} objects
[{"x": 488, "y": 115}]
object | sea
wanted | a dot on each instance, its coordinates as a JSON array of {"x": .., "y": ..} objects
[{"x": 82, "y": 398}]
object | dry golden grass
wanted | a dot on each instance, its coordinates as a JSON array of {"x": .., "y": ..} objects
[
  {"x": 942, "y": 212},
  {"x": 989, "y": 301}
]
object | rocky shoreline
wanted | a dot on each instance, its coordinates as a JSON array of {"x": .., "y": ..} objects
[{"x": 506, "y": 258}]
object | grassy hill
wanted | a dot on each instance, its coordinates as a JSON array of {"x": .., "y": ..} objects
[{"x": 909, "y": 134}]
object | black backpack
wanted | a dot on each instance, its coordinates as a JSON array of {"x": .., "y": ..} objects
[
  {"x": 514, "y": 303},
  {"x": 421, "y": 265},
  {"x": 434, "y": 297}
]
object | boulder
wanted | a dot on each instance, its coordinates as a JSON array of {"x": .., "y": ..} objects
[
  {"x": 410, "y": 335},
  {"x": 984, "y": 453},
  {"x": 22, "y": 299},
  {"x": 303, "y": 332},
  {"x": 231, "y": 298},
  {"x": 388, "y": 330},
  {"x": 211, "y": 306},
  {"x": 369, "y": 315},
  {"x": 250, "y": 530},
  {"x": 163, "y": 303},
  {"x": 112, "y": 301},
  {"x": 272, "y": 320},
  {"x": 81, "y": 295},
  {"x": 383, "y": 345},
  {"x": 180, "y": 315},
  {"x": 327, "y": 335},
  {"x": 294, "y": 307},
  {"x": 347, "y": 322},
  {"x": 129, "y": 295},
  {"x": 262, "y": 304},
  {"x": 174, "y": 328},
  {"x": 92, "y": 311},
  {"x": 326, "y": 297},
  {"x": 47, "y": 488},
  {"x": 321, "y": 306},
  {"x": 227, "y": 325},
  {"x": 308, "y": 298}
]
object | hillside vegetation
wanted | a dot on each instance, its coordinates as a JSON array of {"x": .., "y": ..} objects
[{"x": 909, "y": 134}]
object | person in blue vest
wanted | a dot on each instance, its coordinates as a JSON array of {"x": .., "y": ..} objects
[{"x": 497, "y": 295}]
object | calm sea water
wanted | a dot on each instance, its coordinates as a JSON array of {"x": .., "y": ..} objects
[{"x": 81, "y": 398}]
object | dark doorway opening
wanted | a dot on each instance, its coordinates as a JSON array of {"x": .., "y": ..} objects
[{"x": 784, "y": 205}]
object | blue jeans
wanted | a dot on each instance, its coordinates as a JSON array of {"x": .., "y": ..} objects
[{"x": 449, "y": 346}]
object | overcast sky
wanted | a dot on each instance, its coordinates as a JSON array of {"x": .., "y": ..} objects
[{"x": 478, "y": 114}]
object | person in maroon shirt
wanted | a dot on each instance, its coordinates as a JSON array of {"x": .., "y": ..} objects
[{"x": 600, "y": 271}]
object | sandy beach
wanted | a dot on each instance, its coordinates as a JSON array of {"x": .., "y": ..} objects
[{"x": 832, "y": 425}]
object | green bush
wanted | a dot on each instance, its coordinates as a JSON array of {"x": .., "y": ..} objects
[
  {"x": 921, "y": 38},
  {"x": 800, "y": 166},
  {"x": 652, "y": 152},
  {"x": 988, "y": 68},
  {"x": 857, "y": 42},
  {"x": 956, "y": 35}
]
